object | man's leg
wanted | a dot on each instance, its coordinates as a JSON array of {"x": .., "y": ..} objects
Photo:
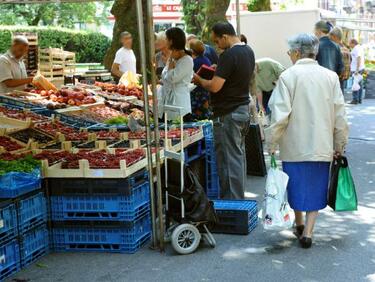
[
  {"x": 234, "y": 132},
  {"x": 220, "y": 158}
]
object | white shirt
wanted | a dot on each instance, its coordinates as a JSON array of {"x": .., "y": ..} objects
[
  {"x": 126, "y": 59},
  {"x": 357, "y": 52},
  {"x": 308, "y": 118},
  {"x": 175, "y": 89},
  {"x": 11, "y": 68}
]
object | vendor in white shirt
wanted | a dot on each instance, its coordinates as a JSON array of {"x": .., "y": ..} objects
[
  {"x": 125, "y": 59},
  {"x": 357, "y": 66},
  {"x": 13, "y": 75}
]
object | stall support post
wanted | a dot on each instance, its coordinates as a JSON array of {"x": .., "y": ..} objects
[
  {"x": 238, "y": 17},
  {"x": 151, "y": 48},
  {"x": 142, "y": 48}
]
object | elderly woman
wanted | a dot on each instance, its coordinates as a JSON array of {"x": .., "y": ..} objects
[
  {"x": 163, "y": 52},
  {"x": 310, "y": 126}
]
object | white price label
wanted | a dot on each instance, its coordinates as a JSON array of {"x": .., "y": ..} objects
[
  {"x": 2, "y": 259},
  {"x": 1, "y": 223}
]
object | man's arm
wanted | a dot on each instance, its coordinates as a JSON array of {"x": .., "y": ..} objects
[
  {"x": 212, "y": 86},
  {"x": 17, "y": 82},
  {"x": 115, "y": 70}
]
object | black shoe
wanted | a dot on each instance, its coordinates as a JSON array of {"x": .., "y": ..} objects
[
  {"x": 353, "y": 103},
  {"x": 305, "y": 242},
  {"x": 298, "y": 231},
  {"x": 360, "y": 102}
]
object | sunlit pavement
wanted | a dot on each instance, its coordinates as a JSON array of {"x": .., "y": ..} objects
[{"x": 344, "y": 243}]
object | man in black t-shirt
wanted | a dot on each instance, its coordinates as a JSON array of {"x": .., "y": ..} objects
[{"x": 230, "y": 103}]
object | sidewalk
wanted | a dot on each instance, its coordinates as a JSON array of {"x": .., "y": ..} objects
[{"x": 343, "y": 248}]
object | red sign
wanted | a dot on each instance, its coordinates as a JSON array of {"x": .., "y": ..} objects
[{"x": 167, "y": 8}]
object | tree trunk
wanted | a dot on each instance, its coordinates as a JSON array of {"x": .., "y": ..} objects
[
  {"x": 125, "y": 13},
  {"x": 216, "y": 9},
  {"x": 194, "y": 15}
]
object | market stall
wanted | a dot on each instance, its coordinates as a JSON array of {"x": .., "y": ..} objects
[{"x": 81, "y": 163}]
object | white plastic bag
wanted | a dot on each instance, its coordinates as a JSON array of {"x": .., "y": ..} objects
[
  {"x": 276, "y": 211},
  {"x": 357, "y": 78}
]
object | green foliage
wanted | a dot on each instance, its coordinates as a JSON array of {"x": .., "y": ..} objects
[
  {"x": 259, "y": 5},
  {"x": 194, "y": 15},
  {"x": 61, "y": 14},
  {"x": 26, "y": 164},
  {"x": 89, "y": 47}
]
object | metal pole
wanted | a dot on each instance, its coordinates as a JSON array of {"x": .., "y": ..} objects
[
  {"x": 238, "y": 17},
  {"x": 151, "y": 48},
  {"x": 142, "y": 50}
]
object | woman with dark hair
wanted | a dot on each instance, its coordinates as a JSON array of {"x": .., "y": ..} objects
[
  {"x": 177, "y": 74},
  {"x": 199, "y": 96}
]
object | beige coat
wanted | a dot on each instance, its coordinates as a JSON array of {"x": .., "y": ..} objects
[{"x": 308, "y": 114}]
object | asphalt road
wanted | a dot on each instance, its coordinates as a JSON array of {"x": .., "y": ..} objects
[{"x": 344, "y": 246}]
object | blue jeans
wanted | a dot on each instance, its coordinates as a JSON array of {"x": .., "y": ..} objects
[{"x": 357, "y": 95}]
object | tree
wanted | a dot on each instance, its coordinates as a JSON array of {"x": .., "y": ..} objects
[
  {"x": 194, "y": 15},
  {"x": 61, "y": 14},
  {"x": 216, "y": 9},
  {"x": 259, "y": 5},
  {"x": 125, "y": 13}
]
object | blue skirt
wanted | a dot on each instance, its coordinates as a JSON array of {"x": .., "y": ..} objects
[{"x": 308, "y": 185}]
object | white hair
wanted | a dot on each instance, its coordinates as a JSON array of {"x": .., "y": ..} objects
[{"x": 306, "y": 44}]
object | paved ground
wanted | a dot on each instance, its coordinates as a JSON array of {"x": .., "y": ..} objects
[{"x": 344, "y": 248}]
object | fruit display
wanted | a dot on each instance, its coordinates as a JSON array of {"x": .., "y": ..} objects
[
  {"x": 8, "y": 144},
  {"x": 21, "y": 115},
  {"x": 120, "y": 89},
  {"x": 121, "y": 120},
  {"x": 52, "y": 157},
  {"x": 56, "y": 127},
  {"x": 30, "y": 133},
  {"x": 104, "y": 134},
  {"x": 103, "y": 159},
  {"x": 66, "y": 96},
  {"x": 96, "y": 114},
  {"x": 172, "y": 134},
  {"x": 119, "y": 106}
]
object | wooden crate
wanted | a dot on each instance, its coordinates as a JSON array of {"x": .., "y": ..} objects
[{"x": 55, "y": 62}]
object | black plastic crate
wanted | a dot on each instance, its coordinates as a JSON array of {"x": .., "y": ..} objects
[
  {"x": 96, "y": 186},
  {"x": 235, "y": 216}
]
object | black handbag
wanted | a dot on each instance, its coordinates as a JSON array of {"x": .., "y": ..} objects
[
  {"x": 254, "y": 152},
  {"x": 197, "y": 206}
]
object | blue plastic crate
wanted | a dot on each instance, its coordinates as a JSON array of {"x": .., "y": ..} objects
[
  {"x": 97, "y": 186},
  {"x": 34, "y": 245},
  {"x": 9, "y": 259},
  {"x": 212, "y": 176},
  {"x": 236, "y": 216},
  {"x": 14, "y": 184},
  {"x": 8, "y": 222},
  {"x": 194, "y": 151},
  {"x": 102, "y": 207},
  {"x": 20, "y": 104},
  {"x": 32, "y": 211},
  {"x": 101, "y": 238}
]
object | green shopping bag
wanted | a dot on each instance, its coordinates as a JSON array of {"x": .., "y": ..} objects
[{"x": 342, "y": 195}]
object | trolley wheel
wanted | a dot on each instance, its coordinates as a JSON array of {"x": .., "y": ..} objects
[
  {"x": 209, "y": 238},
  {"x": 185, "y": 239}
]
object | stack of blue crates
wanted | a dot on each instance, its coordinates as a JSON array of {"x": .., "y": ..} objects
[
  {"x": 101, "y": 215},
  {"x": 212, "y": 176},
  {"x": 23, "y": 224},
  {"x": 208, "y": 150}
]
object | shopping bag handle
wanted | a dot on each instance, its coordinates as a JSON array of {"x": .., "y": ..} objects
[{"x": 273, "y": 162}]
